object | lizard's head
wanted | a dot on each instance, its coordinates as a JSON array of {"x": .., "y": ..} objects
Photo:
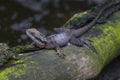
[{"x": 36, "y": 37}]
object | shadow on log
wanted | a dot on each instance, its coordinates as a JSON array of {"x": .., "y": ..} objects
[{"x": 80, "y": 63}]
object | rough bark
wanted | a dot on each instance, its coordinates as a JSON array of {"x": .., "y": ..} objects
[{"x": 80, "y": 63}]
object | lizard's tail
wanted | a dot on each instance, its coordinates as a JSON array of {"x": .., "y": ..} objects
[
  {"x": 83, "y": 30},
  {"x": 103, "y": 9}
]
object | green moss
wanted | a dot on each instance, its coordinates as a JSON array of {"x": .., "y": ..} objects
[
  {"x": 22, "y": 48},
  {"x": 75, "y": 17},
  {"x": 12, "y": 71},
  {"x": 16, "y": 61},
  {"x": 106, "y": 39},
  {"x": 107, "y": 44}
]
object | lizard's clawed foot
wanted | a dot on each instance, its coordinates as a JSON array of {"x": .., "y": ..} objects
[
  {"x": 88, "y": 43},
  {"x": 60, "y": 54}
]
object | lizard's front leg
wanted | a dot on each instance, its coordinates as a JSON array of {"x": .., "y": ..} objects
[{"x": 59, "y": 52}]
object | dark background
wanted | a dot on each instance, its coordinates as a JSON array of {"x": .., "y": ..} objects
[{"x": 18, "y": 15}]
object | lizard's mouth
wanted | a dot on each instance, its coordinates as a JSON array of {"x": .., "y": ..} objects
[
  {"x": 37, "y": 37},
  {"x": 39, "y": 42}
]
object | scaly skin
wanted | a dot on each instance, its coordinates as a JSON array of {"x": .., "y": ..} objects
[{"x": 65, "y": 35}]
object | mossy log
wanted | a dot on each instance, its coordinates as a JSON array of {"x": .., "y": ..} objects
[{"x": 80, "y": 63}]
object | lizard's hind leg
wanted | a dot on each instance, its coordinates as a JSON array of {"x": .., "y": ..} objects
[
  {"x": 80, "y": 42},
  {"x": 77, "y": 42},
  {"x": 88, "y": 43}
]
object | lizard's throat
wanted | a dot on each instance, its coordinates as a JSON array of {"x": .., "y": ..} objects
[{"x": 41, "y": 45}]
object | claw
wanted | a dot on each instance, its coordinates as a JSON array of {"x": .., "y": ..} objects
[
  {"x": 87, "y": 42},
  {"x": 92, "y": 48},
  {"x": 60, "y": 54}
]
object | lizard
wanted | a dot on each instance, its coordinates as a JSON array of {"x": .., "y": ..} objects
[{"x": 66, "y": 35}]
